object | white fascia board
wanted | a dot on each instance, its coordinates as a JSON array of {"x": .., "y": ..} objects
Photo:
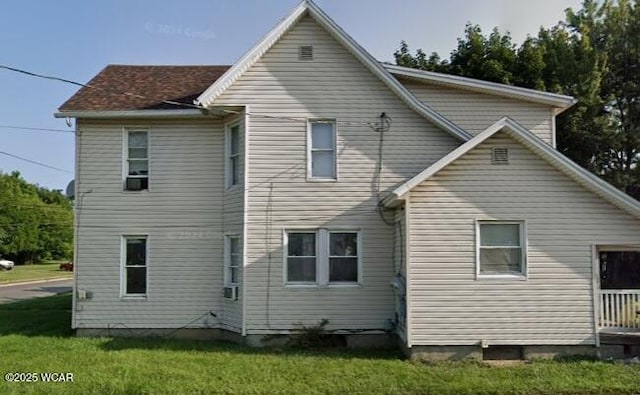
[
  {"x": 561, "y": 102},
  {"x": 131, "y": 114},
  {"x": 253, "y": 55},
  {"x": 544, "y": 150}
]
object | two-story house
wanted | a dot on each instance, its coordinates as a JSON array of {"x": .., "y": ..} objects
[{"x": 309, "y": 181}]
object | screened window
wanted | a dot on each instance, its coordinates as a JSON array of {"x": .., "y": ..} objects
[
  {"x": 620, "y": 269},
  {"x": 501, "y": 248},
  {"x": 343, "y": 257},
  {"x": 322, "y": 149},
  {"x": 135, "y": 265},
  {"x": 301, "y": 257},
  {"x": 233, "y": 156},
  {"x": 232, "y": 260}
]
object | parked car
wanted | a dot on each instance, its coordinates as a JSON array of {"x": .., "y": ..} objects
[{"x": 6, "y": 265}]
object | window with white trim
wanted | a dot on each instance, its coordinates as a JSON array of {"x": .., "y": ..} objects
[
  {"x": 134, "y": 271},
  {"x": 501, "y": 248},
  {"x": 137, "y": 160},
  {"x": 233, "y": 155},
  {"x": 233, "y": 260},
  {"x": 321, "y": 155},
  {"x": 302, "y": 257},
  {"x": 322, "y": 257}
]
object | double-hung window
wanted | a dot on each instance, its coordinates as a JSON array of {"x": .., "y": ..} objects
[
  {"x": 322, "y": 257},
  {"x": 134, "y": 280},
  {"x": 501, "y": 248},
  {"x": 233, "y": 155},
  {"x": 321, "y": 155},
  {"x": 233, "y": 258},
  {"x": 137, "y": 160}
]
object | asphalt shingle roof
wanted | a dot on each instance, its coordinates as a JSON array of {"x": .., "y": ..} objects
[{"x": 153, "y": 84}]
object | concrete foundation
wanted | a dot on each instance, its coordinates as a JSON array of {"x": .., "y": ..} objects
[
  {"x": 184, "y": 333},
  {"x": 445, "y": 353},
  {"x": 554, "y": 352}
]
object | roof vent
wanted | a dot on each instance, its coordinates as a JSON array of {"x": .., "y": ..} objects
[
  {"x": 500, "y": 156},
  {"x": 305, "y": 52}
]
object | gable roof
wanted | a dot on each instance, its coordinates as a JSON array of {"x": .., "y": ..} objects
[
  {"x": 128, "y": 87},
  {"x": 528, "y": 139},
  {"x": 307, "y": 7},
  {"x": 561, "y": 102}
]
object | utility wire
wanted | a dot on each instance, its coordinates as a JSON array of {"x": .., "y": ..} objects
[
  {"x": 35, "y": 162},
  {"x": 36, "y": 129},
  {"x": 113, "y": 92}
]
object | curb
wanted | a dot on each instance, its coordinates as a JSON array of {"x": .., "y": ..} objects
[{"x": 35, "y": 281}]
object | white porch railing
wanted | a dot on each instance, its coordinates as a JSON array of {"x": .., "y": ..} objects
[{"x": 620, "y": 308}]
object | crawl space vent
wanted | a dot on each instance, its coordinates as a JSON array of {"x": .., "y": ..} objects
[
  {"x": 305, "y": 52},
  {"x": 500, "y": 156}
]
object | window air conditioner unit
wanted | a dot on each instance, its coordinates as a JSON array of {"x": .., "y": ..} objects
[
  {"x": 230, "y": 292},
  {"x": 136, "y": 183}
]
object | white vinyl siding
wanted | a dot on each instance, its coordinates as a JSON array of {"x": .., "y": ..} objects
[
  {"x": 336, "y": 86},
  {"x": 184, "y": 218},
  {"x": 448, "y": 306},
  {"x": 475, "y": 111}
]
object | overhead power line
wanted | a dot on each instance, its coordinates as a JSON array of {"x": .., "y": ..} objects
[
  {"x": 36, "y": 129},
  {"x": 35, "y": 162}
]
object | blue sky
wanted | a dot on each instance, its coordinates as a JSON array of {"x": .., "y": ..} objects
[{"x": 75, "y": 39}]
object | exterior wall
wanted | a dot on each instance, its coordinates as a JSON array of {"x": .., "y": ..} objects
[
  {"x": 333, "y": 85},
  {"x": 185, "y": 214},
  {"x": 563, "y": 220},
  {"x": 474, "y": 111}
]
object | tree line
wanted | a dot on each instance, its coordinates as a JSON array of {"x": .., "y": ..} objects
[
  {"x": 593, "y": 55},
  {"x": 36, "y": 223}
]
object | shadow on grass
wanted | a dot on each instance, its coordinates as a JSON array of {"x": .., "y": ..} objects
[{"x": 48, "y": 316}]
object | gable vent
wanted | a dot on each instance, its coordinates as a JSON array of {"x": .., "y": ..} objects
[
  {"x": 500, "y": 156},
  {"x": 305, "y": 52}
]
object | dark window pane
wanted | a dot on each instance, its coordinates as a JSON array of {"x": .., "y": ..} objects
[
  {"x": 620, "y": 270},
  {"x": 234, "y": 275},
  {"x": 136, "y": 252},
  {"x": 322, "y": 135},
  {"x": 235, "y": 170},
  {"x": 343, "y": 244},
  {"x": 138, "y": 167},
  {"x": 137, "y": 139},
  {"x": 302, "y": 244},
  {"x": 235, "y": 140},
  {"x": 301, "y": 269},
  {"x": 322, "y": 164},
  {"x": 136, "y": 280},
  {"x": 343, "y": 270},
  {"x": 501, "y": 235},
  {"x": 501, "y": 261}
]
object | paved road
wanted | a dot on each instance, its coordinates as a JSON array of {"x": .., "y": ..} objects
[{"x": 13, "y": 293}]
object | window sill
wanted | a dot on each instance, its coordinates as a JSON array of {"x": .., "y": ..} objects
[
  {"x": 133, "y": 297},
  {"x": 510, "y": 277},
  {"x": 135, "y": 191},
  {"x": 314, "y": 285},
  {"x": 344, "y": 285},
  {"x": 311, "y": 179}
]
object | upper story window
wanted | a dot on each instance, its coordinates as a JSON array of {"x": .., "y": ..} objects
[
  {"x": 501, "y": 248},
  {"x": 134, "y": 271},
  {"x": 233, "y": 155},
  {"x": 321, "y": 155},
  {"x": 137, "y": 160}
]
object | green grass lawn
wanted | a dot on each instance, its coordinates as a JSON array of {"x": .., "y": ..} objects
[
  {"x": 35, "y": 337},
  {"x": 42, "y": 271}
]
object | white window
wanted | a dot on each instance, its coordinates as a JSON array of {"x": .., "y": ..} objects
[
  {"x": 322, "y": 257},
  {"x": 321, "y": 155},
  {"x": 134, "y": 266},
  {"x": 233, "y": 260},
  {"x": 233, "y": 156},
  {"x": 137, "y": 160},
  {"x": 501, "y": 248}
]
